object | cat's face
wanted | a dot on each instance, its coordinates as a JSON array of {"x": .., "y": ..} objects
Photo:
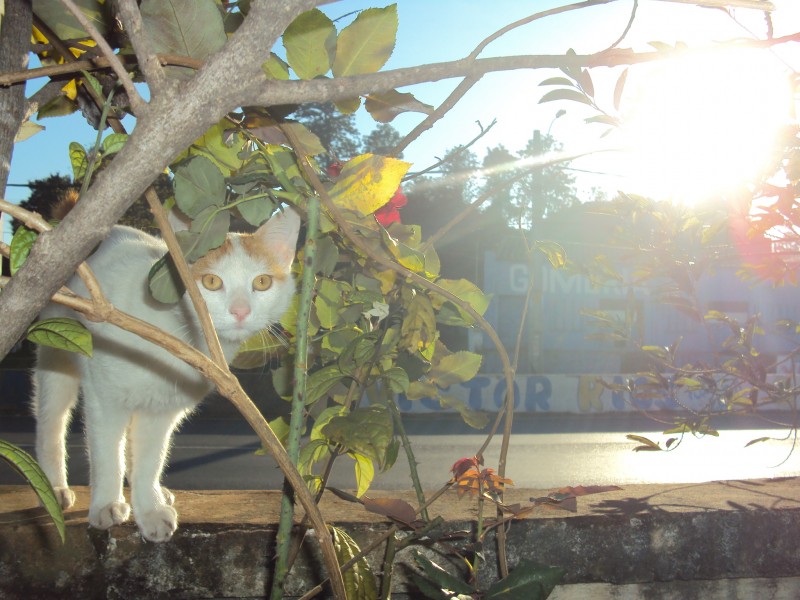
[{"x": 247, "y": 282}]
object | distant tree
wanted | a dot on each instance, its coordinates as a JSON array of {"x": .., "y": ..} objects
[
  {"x": 536, "y": 190},
  {"x": 382, "y": 140},
  {"x": 336, "y": 131},
  {"x": 46, "y": 192},
  {"x": 547, "y": 189}
]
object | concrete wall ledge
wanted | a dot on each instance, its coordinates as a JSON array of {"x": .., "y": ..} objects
[{"x": 730, "y": 539}]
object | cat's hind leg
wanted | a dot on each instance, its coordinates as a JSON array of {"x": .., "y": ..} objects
[
  {"x": 150, "y": 436},
  {"x": 56, "y": 382}
]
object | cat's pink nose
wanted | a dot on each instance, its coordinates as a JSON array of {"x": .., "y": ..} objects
[{"x": 240, "y": 311}]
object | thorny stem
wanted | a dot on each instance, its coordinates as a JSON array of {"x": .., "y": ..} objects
[
  {"x": 508, "y": 406},
  {"x": 412, "y": 461},
  {"x": 388, "y": 560},
  {"x": 284, "y": 536}
]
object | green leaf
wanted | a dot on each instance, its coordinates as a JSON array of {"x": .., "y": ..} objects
[
  {"x": 359, "y": 352},
  {"x": 348, "y": 106},
  {"x": 442, "y": 578},
  {"x": 603, "y": 120},
  {"x": 455, "y": 368},
  {"x": 646, "y": 444},
  {"x": 310, "y": 42},
  {"x": 419, "y": 326},
  {"x": 79, "y": 161},
  {"x": 65, "y": 25},
  {"x": 385, "y": 107},
  {"x": 308, "y": 143},
  {"x": 329, "y": 302},
  {"x": 465, "y": 290},
  {"x": 60, "y": 106},
  {"x": 528, "y": 581},
  {"x": 30, "y": 470},
  {"x": 477, "y": 419},
  {"x": 258, "y": 350},
  {"x": 619, "y": 87},
  {"x": 409, "y": 257},
  {"x": 218, "y": 145},
  {"x": 199, "y": 184},
  {"x": 257, "y": 210},
  {"x": 421, "y": 389},
  {"x": 62, "y": 333},
  {"x": 114, "y": 143},
  {"x": 320, "y": 382},
  {"x": 324, "y": 417},
  {"x": 164, "y": 282},
  {"x": 366, "y": 44},
  {"x": 208, "y": 231},
  {"x": 313, "y": 452},
  {"x": 757, "y": 441},
  {"x": 565, "y": 94},
  {"x": 276, "y": 68},
  {"x": 558, "y": 81},
  {"x": 359, "y": 581},
  {"x": 21, "y": 245},
  {"x": 327, "y": 256},
  {"x": 397, "y": 380},
  {"x": 554, "y": 252},
  {"x": 27, "y": 130},
  {"x": 366, "y": 431},
  {"x": 365, "y": 472},
  {"x": 191, "y": 28}
]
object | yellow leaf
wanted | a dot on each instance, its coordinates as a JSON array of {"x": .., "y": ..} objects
[
  {"x": 367, "y": 182},
  {"x": 71, "y": 89},
  {"x": 387, "y": 279}
]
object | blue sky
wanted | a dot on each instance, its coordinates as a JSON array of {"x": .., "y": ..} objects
[{"x": 449, "y": 29}]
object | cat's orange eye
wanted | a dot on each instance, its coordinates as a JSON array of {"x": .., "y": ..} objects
[
  {"x": 262, "y": 283},
  {"x": 211, "y": 282}
]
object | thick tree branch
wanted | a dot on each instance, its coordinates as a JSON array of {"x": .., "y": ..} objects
[{"x": 14, "y": 44}]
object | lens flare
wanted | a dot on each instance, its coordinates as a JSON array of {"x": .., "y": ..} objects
[{"x": 701, "y": 126}]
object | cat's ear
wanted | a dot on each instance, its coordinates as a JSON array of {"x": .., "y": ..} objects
[{"x": 280, "y": 236}]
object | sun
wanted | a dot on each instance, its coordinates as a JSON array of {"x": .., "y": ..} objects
[{"x": 701, "y": 126}]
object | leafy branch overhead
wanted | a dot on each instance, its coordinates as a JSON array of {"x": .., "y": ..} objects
[{"x": 375, "y": 298}]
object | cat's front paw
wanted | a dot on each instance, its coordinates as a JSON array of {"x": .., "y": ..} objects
[
  {"x": 159, "y": 524},
  {"x": 65, "y": 497},
  {"x": 109, "y": 515}
]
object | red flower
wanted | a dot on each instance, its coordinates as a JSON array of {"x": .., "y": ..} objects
[
  {"x": 334, "y": 169},
  {"x": 386, "y": 214},
  {"x": 389, "y": 213}
]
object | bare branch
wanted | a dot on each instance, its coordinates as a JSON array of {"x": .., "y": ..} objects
[
  {"x": 136, "y": 101},
  {"x": 148, "y": 60}
]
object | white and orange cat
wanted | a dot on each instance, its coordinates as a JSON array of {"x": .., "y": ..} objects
[{"x": 134, "y": 394}]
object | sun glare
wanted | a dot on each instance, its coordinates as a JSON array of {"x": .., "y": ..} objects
[{"x": 701, "y": 126}]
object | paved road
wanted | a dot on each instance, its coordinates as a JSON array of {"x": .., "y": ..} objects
[{"x": 547, "y": 451}]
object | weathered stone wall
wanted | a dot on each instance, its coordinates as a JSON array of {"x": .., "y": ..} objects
[{"x": 715, "y": 540}]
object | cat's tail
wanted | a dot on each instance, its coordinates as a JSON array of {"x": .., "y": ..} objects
[
  {"x": 63, "y": 205},
  {"x": 56, "y": 383}
]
